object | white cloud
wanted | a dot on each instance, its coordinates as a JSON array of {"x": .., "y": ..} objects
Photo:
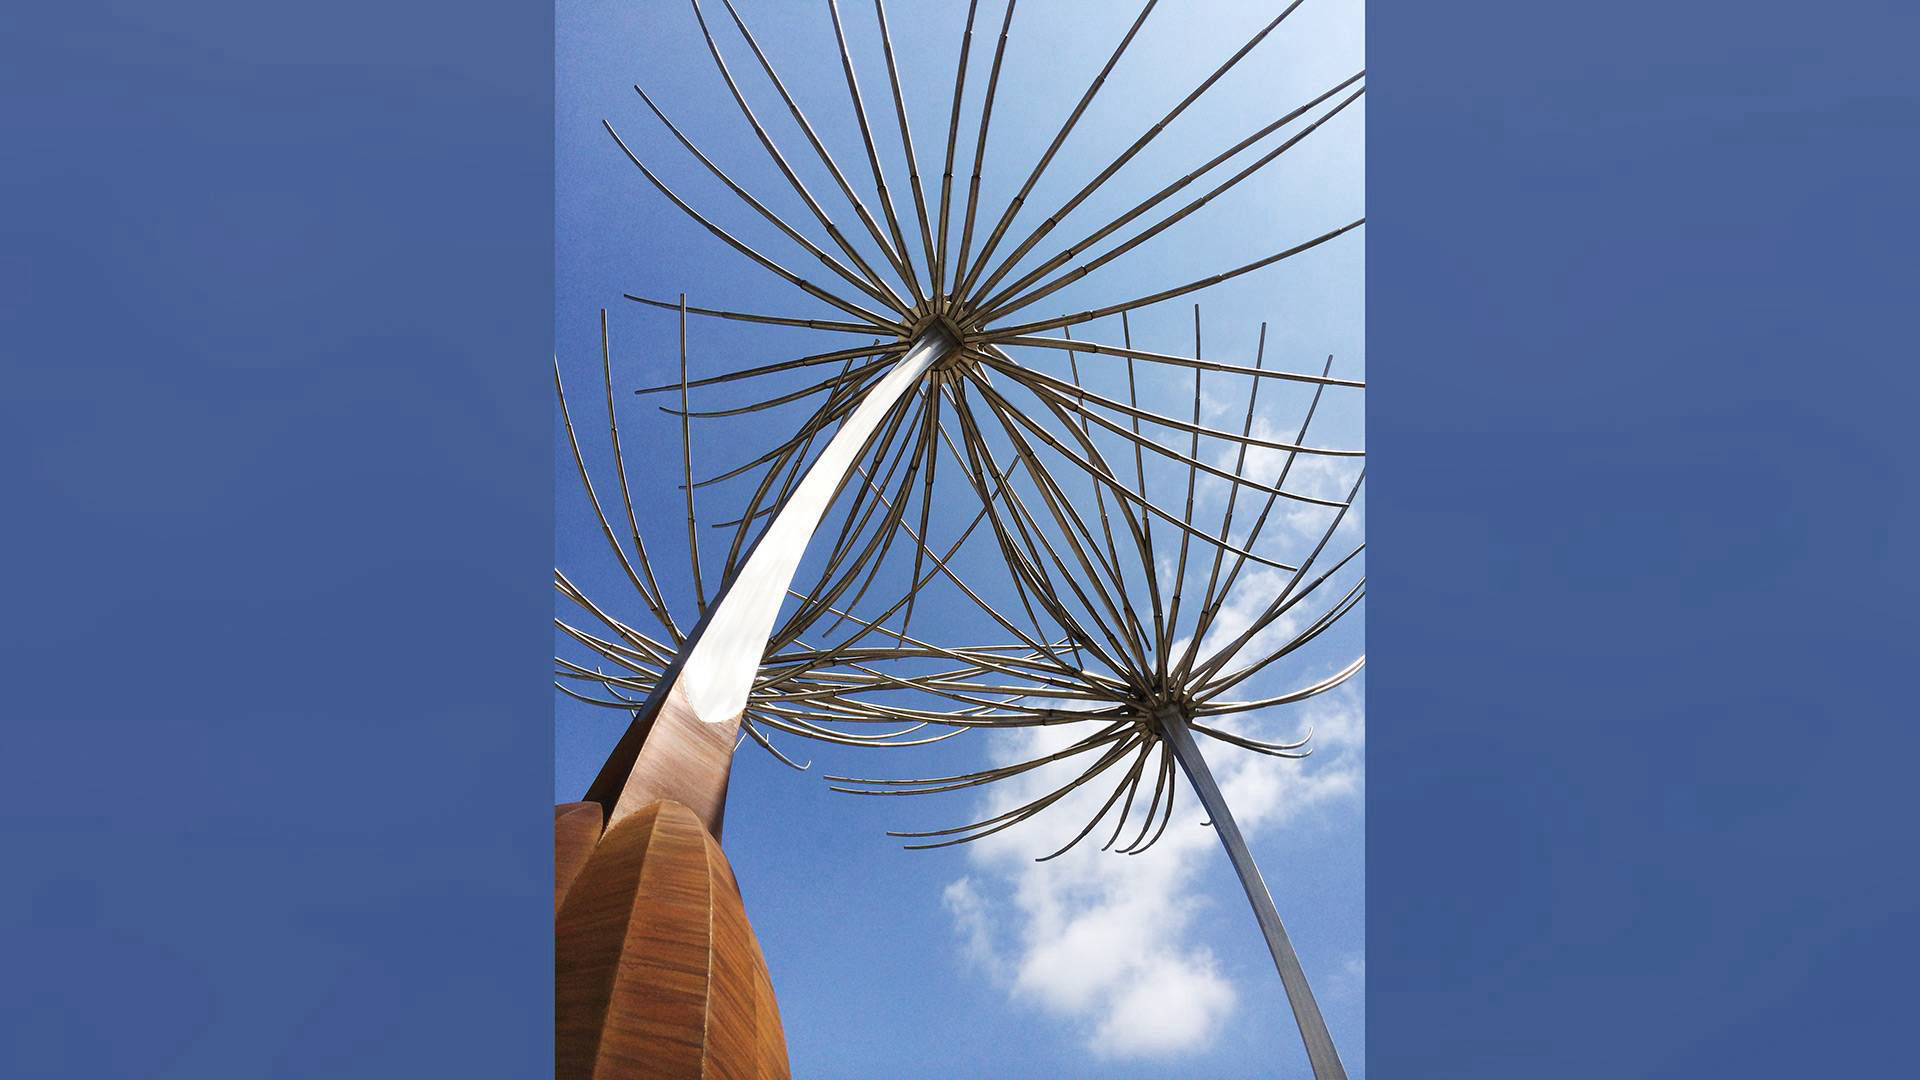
[
  {"x": 1106, "y": 943},
  {"x": 969, "y": 913},
  {"x": 1292, "y": 527},
  {"x": 1219, "y": 405},
  {"x": 1166, "y": 1008},
  {"x": 1351, "y": 978},
  {"x": 1253, "y": 592},
  {"x": 1323, "y": 478}
]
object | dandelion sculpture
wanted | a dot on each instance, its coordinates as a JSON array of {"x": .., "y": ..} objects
[
  {"x": 953, "y": 369},
  {"x": 657, "y": 970},
  {"x": 1145, "y": 685}
]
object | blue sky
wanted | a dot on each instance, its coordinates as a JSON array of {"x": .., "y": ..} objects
[{"x": 977, "y": 961}]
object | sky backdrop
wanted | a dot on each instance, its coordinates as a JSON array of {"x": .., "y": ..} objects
[{"x": 975, "y": 960}]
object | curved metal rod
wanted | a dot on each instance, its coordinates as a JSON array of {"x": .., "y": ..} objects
[
  {"x": 1167, "y": 294},
  {"x": 1132, "y": 773},
  {"x": 1143, "y": 842},
  {"x": 1209, "y": 600},
  {"x": 1013, "y": 208},
  {"x": 686, "y": 453},
  {"x": 932, "y": 452},
  {"x": 1144, "y": 532},
  {"x": 980, "y": 149},
  {"x": 634, "y": 660},
  {"x": 831, "y": 263},
  {"x": 1018, "y": 814},
  {"x": 753, "y": 729},
  {"x": 789, "y": 276},
  {"x": 949, "y": 783},
  {"x": 906, "y": 143},
  {"x": 905, "y": 262},
  {"x": 620, "y": 462},
  {"x": 787, "y": 398},
  {"x": 1145, "y": 205},
  {"x": 1290, "y": 697},
  {"x": 1133, "y": 789},
  {"x": 942, "y": 299},
  {"x": 1217, "y": 599},
  {"x": 1281, "y": 602},
  {"x": 639, "y": 641},
  {"x": 773, "y": 151},
  {"x": 771, "y": 320},
  {"x": 1161, "y": 658},
  {"x": 584, "y": 699},
  {"x": 1170, "y": 220},
  {"x": 1279, "y": 750},
  {"x": 810, "y": 360},
  {"x": 1245, "y": 438},
  {"x": 1080, "y": 345},
  {"x": 819, "y": 148},
  {"x": 651, "y": 595},
  {"x": 1139, "y": 144}
]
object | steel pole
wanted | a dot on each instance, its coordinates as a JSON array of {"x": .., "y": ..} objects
[{"x": 1306, "y": 1012}]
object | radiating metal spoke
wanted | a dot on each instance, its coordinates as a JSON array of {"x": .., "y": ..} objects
[
  {"x": 1140, "y": 144},
  {"x": 903, "y": 261},
  {"x": 1164, "y": 294},
  {"x": 813, "y": 140},
  {"x": 863, "y": 284},
  {"x": 980, "y": 149},
  {"x": 779, "y": 159},
  {"x": 789, "y": 276},
  {"x": 772, "y": 320},
  {"x": 1013, "y": 208},
  {"x": 993, "y": 305},
  {"x": 906, "y": 145}
]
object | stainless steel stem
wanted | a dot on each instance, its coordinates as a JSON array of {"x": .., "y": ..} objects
[
  {"x": 724, "y": 653},
  {"x": 1306, "y": 1012}
]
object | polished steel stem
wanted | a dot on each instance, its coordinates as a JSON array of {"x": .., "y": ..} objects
[
  {"x": 1306, "y": 1012},
  {"x": 724, "y": 652}
]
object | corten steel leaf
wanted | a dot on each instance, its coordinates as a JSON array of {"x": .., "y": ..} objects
[{"x": 940, "y": 354}]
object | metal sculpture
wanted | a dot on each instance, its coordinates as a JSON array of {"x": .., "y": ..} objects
[
  {"x": 713, "y": 667},
  {"x": 657, "y": 969},
  {"x": 940, "y": 372},
  {"x": 1146, "y": 685}
]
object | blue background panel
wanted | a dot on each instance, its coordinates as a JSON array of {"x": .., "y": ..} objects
[
  {"x": 1641, "y": 628},
  {"x": 278, "y": 293}
]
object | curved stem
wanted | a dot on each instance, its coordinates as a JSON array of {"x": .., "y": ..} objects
[
  {"x": 1313, "y": 1030},
  {"x": 723, "y": 654}
]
